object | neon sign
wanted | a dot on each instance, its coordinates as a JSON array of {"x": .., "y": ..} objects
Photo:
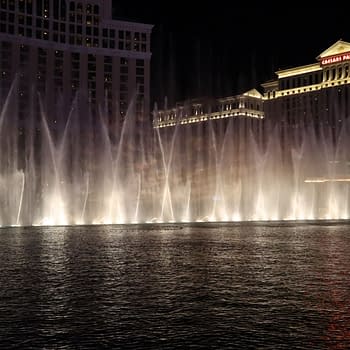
[{"x": 336, "y": 59}]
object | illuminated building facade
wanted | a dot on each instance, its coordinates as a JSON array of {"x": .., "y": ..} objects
[
  {"x": 247, "y": 105},
  {"x": 318, "y": 93},
  {"x": 313, "y": 94},
  {"x": 301, "y": 107},
  {"x": 205, "y": 126},
  {"x": 62, "y": 49},
  {"x": 202, "y": 119}
]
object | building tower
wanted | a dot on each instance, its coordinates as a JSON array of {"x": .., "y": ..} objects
[{"x": 63, "y": 48}]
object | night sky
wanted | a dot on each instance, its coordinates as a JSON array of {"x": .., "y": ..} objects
[{"x": 213, "y": 50}]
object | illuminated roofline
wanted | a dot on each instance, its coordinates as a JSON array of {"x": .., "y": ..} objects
[
  {"x": 337, "y": 48},
  {"x": 252, "y": 93},
  {"x": 245, "y": 113},
  {"x": 314, "y": 67},
  {"x": 49, "y": 44},
  {"x": 307, "y": 88},
  {"x": 270, "y": 84}
]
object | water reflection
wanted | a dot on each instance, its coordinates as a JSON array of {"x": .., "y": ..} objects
[{"x": 216, "y": 286}]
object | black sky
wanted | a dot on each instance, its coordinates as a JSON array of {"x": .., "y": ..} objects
[{"x": 215, "y": 50}]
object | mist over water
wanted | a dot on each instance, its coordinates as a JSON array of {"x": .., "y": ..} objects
[{"x": 76, "y": 168}]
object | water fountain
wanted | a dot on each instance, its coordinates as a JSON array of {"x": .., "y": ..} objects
[{"x": 91, "y": 173}]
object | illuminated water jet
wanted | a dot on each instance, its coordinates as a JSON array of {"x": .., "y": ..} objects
[{"x": 89, "y": 172}]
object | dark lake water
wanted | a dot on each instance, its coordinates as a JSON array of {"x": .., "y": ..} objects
[{"x": 213, "y": 286}]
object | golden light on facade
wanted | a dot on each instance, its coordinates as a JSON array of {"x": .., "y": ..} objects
[
  {"x": 314, "y": 67},
  {"x": 322, "y": 180}
]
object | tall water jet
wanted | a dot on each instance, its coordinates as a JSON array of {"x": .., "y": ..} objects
[{"x": 85, "y": 171}]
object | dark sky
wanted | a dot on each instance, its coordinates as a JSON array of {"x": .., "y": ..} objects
[{"x": 213, "y": 50}]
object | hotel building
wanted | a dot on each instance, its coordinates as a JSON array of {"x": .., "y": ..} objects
[
  {"x": 314, "y": 94},
  {"x": 318, "y": 93},
  {"x": 200, "y": 118},
  {"x": 313, "y": 98},
  {"x": 63, "y": 49},
  {"x": 247, "y": 105}
]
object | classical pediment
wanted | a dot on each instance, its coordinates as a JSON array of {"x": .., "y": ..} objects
[
  {"x": 337, "y": 48},
  {"x": 253, "y": 93}
]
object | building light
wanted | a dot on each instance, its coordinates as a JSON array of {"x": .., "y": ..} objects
[{"x": 322, "y": 180}]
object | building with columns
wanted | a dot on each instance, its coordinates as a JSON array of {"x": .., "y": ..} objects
[
  {"x": 63, "y": 49},
  {"x": 317, "y": 93},
  {"x": 247, "y": 105}
]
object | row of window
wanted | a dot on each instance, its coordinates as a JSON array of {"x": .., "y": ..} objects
[
  {"x": 75, "y": 74},
  {"x": 26, "y": 53},
  {"x": 43, "y": 8},
  {"x": 300, "y": 81},
  {"x": 90, "y": 38},
  {"x": 75, "y": 61}
]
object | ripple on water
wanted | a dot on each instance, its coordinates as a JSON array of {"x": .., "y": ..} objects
[{"x": 167, "y": 286}]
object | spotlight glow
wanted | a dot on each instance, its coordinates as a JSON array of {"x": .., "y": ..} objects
[{"x": 244, "y": 170}]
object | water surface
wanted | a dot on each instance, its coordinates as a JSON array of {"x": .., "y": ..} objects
[{"x": 213, "y": 286}]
